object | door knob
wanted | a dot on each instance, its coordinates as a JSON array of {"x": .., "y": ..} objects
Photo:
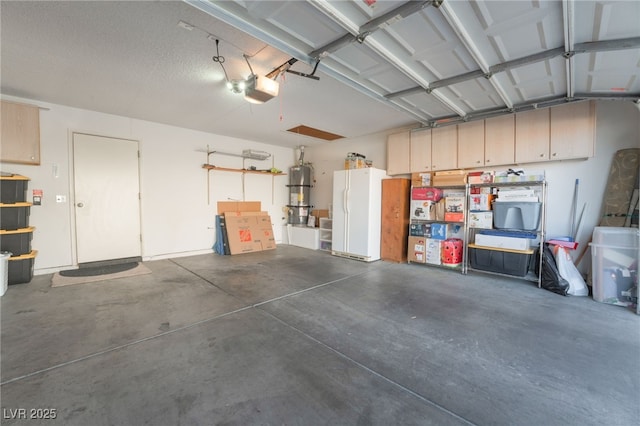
[{"x": 80, "y": 205}]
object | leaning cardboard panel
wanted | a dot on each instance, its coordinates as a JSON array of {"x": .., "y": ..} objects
[
  {"x": 264, "y": 233},
  {"x": 238, "y": 206},
  {"x": 240, "y": 232}
]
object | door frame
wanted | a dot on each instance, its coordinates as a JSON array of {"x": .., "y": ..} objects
[{"x": 72, "y": 194}]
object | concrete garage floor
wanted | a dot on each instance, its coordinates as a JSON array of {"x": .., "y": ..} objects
[{"x": 299, "y": 337}]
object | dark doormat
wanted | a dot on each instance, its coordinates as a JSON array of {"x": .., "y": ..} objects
[{"x": 99, "y": 270}]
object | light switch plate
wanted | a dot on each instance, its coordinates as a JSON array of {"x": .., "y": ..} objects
[{"x": 61, "y": 198}]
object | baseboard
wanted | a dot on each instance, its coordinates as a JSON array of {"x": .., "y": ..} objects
[{"x": 175, "y": 255}]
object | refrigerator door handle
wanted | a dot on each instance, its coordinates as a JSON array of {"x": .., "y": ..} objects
[
  {"x": 346, "y": 200},
  {"x": 347, "y": 193},
  {"x": 347, "y": 229}
]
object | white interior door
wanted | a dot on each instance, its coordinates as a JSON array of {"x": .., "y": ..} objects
[{"x": 107, "y": 200}]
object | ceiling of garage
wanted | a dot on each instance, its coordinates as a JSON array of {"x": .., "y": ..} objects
[{"x": 381, "y": 64}]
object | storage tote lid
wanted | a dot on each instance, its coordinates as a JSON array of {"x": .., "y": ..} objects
[
  {"x": 11, "y": 176},
  {"x": 17, "y": 231}
]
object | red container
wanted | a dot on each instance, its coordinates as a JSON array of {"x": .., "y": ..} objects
[
  {"x": 429, "y": 194},
  {"x": 452, "y": 252}
]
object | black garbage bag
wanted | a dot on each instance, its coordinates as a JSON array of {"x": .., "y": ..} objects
[{"x": 551, "y": 279}]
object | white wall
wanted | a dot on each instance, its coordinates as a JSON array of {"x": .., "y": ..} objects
[
  {"x": 616, "y": 128},
  {"x": 176, "y": 217},
  {"x": 329, "y": 157}
]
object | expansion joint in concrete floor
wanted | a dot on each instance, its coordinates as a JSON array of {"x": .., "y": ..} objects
[
  {"x": 186, "y": 327},
  {"x": 367, "y": 369},
  {"x": 126, "y": 345}
]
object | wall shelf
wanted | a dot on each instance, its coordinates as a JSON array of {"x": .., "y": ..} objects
[
  {"x": 227, "y": 169},
  {"x": 247, "y": 154}
]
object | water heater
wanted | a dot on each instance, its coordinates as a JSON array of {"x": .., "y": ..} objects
[{"x": 299, "y": 194}]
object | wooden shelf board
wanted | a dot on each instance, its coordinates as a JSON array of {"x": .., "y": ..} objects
[{"x": 226, "y": 169}]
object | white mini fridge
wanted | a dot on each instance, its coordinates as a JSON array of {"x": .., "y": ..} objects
[{"x": 357, "y": 196}]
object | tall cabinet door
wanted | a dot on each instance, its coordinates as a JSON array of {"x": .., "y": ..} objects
[
  {"x": 499, "y": 140},
  {"x": 398, "y": 153},
  {"x": 471, "y": 145},
  {"x": 573, "y": 130},
  {"x": 421, "y": 151},
  {"x": 444, "y": 148},
  {"x": 20, "y": 133},
  {"x": 395, "y": 220},
  {"x": 532, "y": 136}
]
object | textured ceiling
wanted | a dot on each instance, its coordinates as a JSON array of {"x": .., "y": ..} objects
[
  {"x": 132, "y": 59},
  {"x": 382, "y": 66}
]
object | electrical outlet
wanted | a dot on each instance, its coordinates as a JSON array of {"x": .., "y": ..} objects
[{"x": 61, "y": 198}]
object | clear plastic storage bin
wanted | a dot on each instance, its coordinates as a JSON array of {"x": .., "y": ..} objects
[{"x": 614, "y": 263}]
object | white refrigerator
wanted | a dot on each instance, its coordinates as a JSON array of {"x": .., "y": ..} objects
[{"x": 357, "y": 197}]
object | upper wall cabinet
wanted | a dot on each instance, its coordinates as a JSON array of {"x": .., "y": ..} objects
[
  {"x": 471, "y": 145},
  {"x": 20, "y": 133},
  {"x": 573, "y": 130},
  {"x": 499, "y": 140},
  {"x": 398, "y": 153},
  {"x": 532, "y": 136},
  {"x": 444, "y": 148},
  {"x": 557, "y": 133},
  {"x": 420, "y": 151}
]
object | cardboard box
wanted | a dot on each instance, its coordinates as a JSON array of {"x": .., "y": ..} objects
[
  {"x": 454, "y": 204},
  {"x": 317, "y": 214},
  {"x": 420, "y": 230},
  {"x": 247, "y": 213},
  {"x": 421, "y": 179},
  {"x": 428, "y": 193},
  {"x": 238, "y": 206},
  {"x": 433, "y": 252},
  {"x": 480, "y": 177},
  {"x": 249, "y": 233},
  {"x": 497, "y": 241},
  {"x": 480, "y": 202},
  {"x": 450, "y": 178},
  {"x": 354, "y": 163},
  {"x": 264, "y": 233},
  {"x": 440, "y": 209},
  {"x": 442, "y": 231},
  {"x": 422, "y": 210},
  {"x": 525, "y": 176},
  {"x": 480, "y": 190},
  {"x": 266, "y": 238},
  {"x": 240, "y": 233},
  {"x": 454, "y": 217},
  {"x": 416, "y": 249},
  {"x": 481, "y": 220}
]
